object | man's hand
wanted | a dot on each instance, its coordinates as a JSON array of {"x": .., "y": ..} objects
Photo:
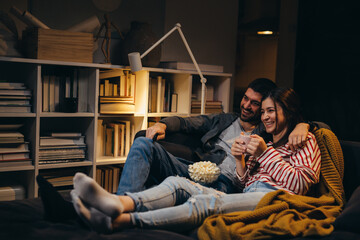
[
  {"x": 238, "y": 148},
  {"x": 157, "y": 128},
  {"x": 298, "y": 137}
]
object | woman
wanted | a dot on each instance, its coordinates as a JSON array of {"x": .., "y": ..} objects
[{"x": 180, "y": 204}]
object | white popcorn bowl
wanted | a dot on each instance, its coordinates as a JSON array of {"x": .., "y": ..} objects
[{"x": 204, "y": 172}]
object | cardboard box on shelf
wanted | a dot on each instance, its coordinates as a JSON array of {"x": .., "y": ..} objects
[{"x": 50, "y": 44}]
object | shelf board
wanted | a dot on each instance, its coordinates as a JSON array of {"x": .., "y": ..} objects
[
  {"x": 65, "y": 165},
  {"x": 167, "y": 114},
  {"x": 61, "y": 63},
  {"x": 61, "y": 114},
  {"x": 17, "y": 114},
  {"x": 102, "y": 115},
  {"x": 105, "y": 66},
  {"x": 106, "y": 160},
  {"x": 167, "y": 70}
]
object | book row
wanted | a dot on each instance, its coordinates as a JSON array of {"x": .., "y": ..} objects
[
  {"x": 65, "y": 91},
  {"x": 108, "y": 177},
  {"x": 115, "y": 137},
  {"x": 162, "y": 97}
]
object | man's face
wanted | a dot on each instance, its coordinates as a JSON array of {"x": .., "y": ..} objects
[{"x": 250, "y": 106}]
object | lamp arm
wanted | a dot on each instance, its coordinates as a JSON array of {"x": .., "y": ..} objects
[
  {"x": 159, "y": 41},
  {"x": 190, "y": 52},
  {"x": 202, "y": 79}
]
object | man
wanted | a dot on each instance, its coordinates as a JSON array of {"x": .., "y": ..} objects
[{"x": 149, "y": 163}]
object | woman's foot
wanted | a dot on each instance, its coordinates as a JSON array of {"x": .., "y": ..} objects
[
  {"x": 95, "y": 196},
  {"x": 91, "y": 216}
]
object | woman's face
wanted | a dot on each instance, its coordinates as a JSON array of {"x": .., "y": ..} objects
[{"x": 273, "y": 125}]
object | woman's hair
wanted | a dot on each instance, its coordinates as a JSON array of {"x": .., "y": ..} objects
[{"x": 289, "y": 101}]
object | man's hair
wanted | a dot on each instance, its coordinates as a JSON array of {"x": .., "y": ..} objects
[{"x": 262, "y": 86}]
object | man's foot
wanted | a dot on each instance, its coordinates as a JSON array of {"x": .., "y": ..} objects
[
  {"x": 56, "y": 208},
  {"x": 95, "y": 196},
  {"x": 91, "y": 216}
]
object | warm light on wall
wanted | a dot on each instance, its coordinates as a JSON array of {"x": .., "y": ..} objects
[{"x": 265, "y": 32}]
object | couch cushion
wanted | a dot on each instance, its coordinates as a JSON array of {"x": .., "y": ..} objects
[
  {"x": 351, "y": 151},
  {"x": 349, "y": 218}
]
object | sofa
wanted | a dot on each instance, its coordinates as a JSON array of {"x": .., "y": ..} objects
[{"x": 23, "y": 219}]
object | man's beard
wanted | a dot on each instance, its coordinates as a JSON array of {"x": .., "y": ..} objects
[{"x": 255, "y": 119}]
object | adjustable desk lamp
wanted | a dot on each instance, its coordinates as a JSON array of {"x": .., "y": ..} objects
[{"x": 135, "y": 61}]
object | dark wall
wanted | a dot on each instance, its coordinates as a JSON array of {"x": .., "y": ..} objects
[{"x": 327, "y": 72}]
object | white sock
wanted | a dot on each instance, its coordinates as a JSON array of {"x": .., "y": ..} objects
[
  {"x": 91, "y": 216},
  {"x": 95, "y": 196}
]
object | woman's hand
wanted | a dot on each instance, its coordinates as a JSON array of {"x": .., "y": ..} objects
[
  {"x": 256, "y": 146},
  {"x": 157, "y": 128}
]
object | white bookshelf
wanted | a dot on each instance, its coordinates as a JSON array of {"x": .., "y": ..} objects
[{"x": 38, "y": 122}]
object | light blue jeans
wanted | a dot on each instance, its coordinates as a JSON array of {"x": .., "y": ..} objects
[{"x": 179, "y": 204}]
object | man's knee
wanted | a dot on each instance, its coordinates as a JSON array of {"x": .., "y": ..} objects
[{"x": 176, "y": 181}]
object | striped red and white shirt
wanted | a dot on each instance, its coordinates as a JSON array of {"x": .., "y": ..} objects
[{"x": 293, "y": 171}]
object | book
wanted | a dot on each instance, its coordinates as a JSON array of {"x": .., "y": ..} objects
[
  {"x": 100, "y": 138},
  {"x": 114, "y": 99},
  {"x": 191, "y": 66},
  {"x": 15, "y": 148},
  {"x": 101, "y": 89},
  {"x": 12, "y": 85},
  {"x": 7, "y": 97},
  {"x": 56, "y": 141},
  {"x": 65, "y": 134},
  {"x": 174, "y": 102},
  {"x": 14, "y": 156},
  {"x": 56, "y": 94},
  {"x": 16, "y": 163},
  {"x": 117, "y": 107},
  {"x": 107, "y": 87},
  {"x": 11, "y": 92},
  {"x": 11, "y": 137},
  {"x": 83, "y": 90},
  {"x": 45, "y": 93},
  {"x": 109, "y": 140},
  {"x": 14, "y": 102},
  {"x": 52, "y": 93},
  {"x": 15, "y": 108},
  {"x": 121, "y": 139},
  {"x": 127, "y": 133},
  {"x": 12, "y": 192}
]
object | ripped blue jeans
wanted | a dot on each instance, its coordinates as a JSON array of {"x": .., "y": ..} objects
[{"x": 179, "y": 204}]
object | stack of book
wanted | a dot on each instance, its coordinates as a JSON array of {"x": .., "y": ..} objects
[
  {"x": 108, "y": 177},
  {"x": 12, "y": 192},
  {"x": 115, "y": 137},
  {"x": 117, "y": 92},
  {"x": 210, "y": 107},
  {"x": 62, "y": 148},
  {"x": 14, "y": 97},
  {"x": 14, "y": 151}
]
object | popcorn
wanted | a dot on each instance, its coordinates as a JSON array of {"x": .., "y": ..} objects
[{"x": 204, "y": 172}]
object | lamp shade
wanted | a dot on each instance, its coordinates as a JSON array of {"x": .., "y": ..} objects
[{"x": 135, "y": 61}]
